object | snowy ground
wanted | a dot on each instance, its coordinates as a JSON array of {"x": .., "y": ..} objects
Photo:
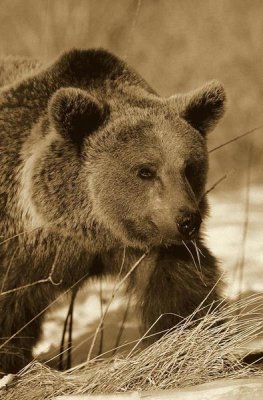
[
  {"x": 225, "y": 232},
  {"x": 225, "y": 229}
]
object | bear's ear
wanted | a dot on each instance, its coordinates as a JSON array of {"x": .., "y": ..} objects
[
  {"x": 75, "y": 114},
  {"x": 203, "y": 107}
]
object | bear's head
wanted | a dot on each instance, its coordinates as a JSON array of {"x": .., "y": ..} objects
[{"x": 142, "y": 159}]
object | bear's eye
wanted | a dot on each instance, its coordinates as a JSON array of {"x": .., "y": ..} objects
[{"x": 146, "y": 173}]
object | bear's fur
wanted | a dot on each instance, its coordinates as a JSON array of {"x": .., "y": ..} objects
[{"x": 94, "y": 164}]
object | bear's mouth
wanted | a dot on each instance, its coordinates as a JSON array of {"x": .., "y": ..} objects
[
  {"x": 147, "y": 234},
  {"x": 140, "y": 232}
]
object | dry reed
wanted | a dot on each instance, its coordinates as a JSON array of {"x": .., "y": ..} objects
[{"x": 191, "y": 354}]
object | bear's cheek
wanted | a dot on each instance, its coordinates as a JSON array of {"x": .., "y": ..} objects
[
  {"x": 116, "y": 194},
  {"x": 124, "y": 199},
  {"x": 126, "y": 211}
]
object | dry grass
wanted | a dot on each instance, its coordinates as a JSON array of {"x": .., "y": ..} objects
[{"x": 191, "y": 354}]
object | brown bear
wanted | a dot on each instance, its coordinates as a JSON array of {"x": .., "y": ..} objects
[{"x": 95, "y": 164}]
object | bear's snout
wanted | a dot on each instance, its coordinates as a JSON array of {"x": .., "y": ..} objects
[{"x": 188, "y": 224}]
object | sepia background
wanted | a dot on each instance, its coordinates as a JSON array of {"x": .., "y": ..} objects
[{"x": 176, "y": 45}]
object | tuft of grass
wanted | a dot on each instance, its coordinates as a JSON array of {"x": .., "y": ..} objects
[{"x": 190, "y": 354}]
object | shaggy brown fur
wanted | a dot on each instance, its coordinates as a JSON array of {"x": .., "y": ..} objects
[{"x": 94, "y": 161}]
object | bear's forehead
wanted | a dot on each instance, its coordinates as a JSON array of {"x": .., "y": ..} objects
[
  {"x": 156, "y": 134},
  {"x": 158, "y": 123}
]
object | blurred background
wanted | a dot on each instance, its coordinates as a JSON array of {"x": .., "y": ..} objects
[{"x": 176, "y": 45}]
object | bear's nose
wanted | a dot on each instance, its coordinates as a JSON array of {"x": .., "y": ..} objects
[{"x": 188, "y": 224}]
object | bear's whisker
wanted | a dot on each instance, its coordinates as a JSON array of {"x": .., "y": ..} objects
[
  {"x": 197, "y": 254},
  {"x": 199, "y": 272}
]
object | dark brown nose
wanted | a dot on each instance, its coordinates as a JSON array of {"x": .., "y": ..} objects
[{"x": 188, "y": 224}]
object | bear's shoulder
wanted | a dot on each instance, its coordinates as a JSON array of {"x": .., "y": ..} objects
[
  {"x": 24, "y": 80},
  {"x": 15, "y": 68}
]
